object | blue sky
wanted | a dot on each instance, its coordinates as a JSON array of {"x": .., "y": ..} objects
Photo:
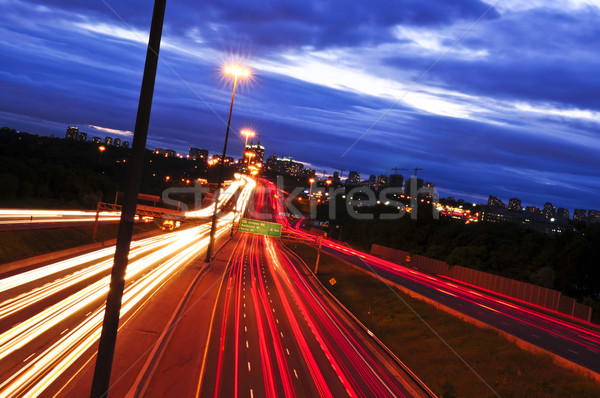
[{"x": 487, "y": 97}]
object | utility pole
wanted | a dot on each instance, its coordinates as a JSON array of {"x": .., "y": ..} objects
[{"x": 110, "y": 325}]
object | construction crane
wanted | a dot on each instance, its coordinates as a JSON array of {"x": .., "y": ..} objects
[
  {"x": 417, "y": 169},
  {"x": 342, "y": 172},
  {"x": 396, "y": 169}
]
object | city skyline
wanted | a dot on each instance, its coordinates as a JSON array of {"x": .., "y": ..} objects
[{"x": 488, "y": 98}]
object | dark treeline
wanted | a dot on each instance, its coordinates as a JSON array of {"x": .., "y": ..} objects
[
  {"x": 77, "y": 173},
  {"x": 569, "y": 262}
]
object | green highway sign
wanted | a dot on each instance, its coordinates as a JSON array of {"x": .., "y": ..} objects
[{"x": 260, "y": 227}]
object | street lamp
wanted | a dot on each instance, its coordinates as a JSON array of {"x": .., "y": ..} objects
[
  {"x": 247, "y": 133},
  {"x": 312, "y": 181},
  {"x": 236, "y": 71}
]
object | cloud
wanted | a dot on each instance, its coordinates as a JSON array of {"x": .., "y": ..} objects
[{"x": 111, "y": 131}]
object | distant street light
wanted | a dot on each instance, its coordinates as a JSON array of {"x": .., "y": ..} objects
[
  {"x": 312, "y": 181},
  {"x": 236, "y": 71},
  {"x": 101, "y": 148}
]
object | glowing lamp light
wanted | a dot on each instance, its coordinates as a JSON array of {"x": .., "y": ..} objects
[
  {"x": 237, "y": 71},
  {"x": 248, "y": 133}
]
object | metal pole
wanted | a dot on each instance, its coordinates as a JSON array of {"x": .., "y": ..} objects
[
  {"x": 219, "y": 177},
  {"x": 235, "y": 198},
  {"x": 110, "y": 325},
  {"x": 318, "y": 255},
  {"x": 96, "y": 222}
]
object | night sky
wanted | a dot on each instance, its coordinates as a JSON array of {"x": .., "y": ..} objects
[{"x": 487, "y": 97}]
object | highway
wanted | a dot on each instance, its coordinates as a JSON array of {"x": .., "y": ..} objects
[
  {"x": 275, "y": 335},
  {"x": 272, "y": 332},
  {"x": 51, "y": 316},
  {"x": 570, "y": 340}
]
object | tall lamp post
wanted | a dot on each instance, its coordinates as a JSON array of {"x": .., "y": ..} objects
[
  {"x": 236, "y": 71},
  {"x": 312, "y": 181}
]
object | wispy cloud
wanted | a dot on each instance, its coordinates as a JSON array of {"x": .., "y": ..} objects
[{"x": 112, "y": 131}]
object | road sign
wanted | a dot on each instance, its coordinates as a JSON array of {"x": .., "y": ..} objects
[{"x": 260, "y": 227}]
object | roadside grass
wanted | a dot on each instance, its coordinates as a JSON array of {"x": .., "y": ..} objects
[
  {"x": 20, "y": 244},
  {"x": 508, "y": 370}
]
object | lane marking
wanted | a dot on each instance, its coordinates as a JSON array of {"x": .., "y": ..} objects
[
  {"x": 287, "y": 351},
  {"x": 295, "y": 373},
  {"x": 63, "y": 332},
  {"x": 281, "y": 333},
  {"x": 247, "y": 344},
  {"x": 245, "y": 328},
  {"x": 574, "y": 352},
  {"x": 249, "y": 367}
]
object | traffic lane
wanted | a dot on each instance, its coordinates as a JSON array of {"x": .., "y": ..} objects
[
  {"x": 34, "y": 295},
  {"x": 138, "y": 333},
  {"x": 357, "y": 359},
  {"x": 221, "y": 364},
  {"x": 249, "y": 377},
  {"x": 307, "y": 364},
  {"x": 60, "y": 356},
  {"x": 524, "y": 329}
]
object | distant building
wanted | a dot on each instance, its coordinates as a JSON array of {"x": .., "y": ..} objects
[
  {"x": 229, "y": 160},
  {"x": 579, "y": 215},
  {"x": 198, "y": 154},
  {"x": 353, "y": 178},
  {"x": 594, "y": 216},
  {"x": 165, "y": 152},
  {"x": 108, "y": 141},
  {"x": 117, "y": 142},
  {"x": 259, "y": 152},
  {"x": 533, "y": 209},
  {"x": 495, "y": 202},
  {"x": 549, "y": 211},
  {"x": 285, "y": 166},
  {"x": 308, "y": 173},
  {"x": 396, "y": 181},
  {"x": 514, "y": 204},
  {"x": 82, "y": 136},
  {"x": 535, "y": 221},
  {"x": 72, "y": 132},
  {"x": 382, "y": 181},
  {"x": 125, "y": 144},
  {"x": 96, "y": 140},
  {"x": 372, "y": 180},
  {"x": 562, "y": 212}
]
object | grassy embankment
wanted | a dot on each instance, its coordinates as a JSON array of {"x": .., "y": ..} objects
[
  {"x": 507, "y": 369},
  {"x": 16, "y": 245}
]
